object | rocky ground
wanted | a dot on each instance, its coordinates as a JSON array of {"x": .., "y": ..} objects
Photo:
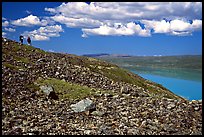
[{"x": 136, "y": 107}]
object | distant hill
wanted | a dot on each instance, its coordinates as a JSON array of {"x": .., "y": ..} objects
[
  {"x": 106, "y": 55},
  {"x": 180, "y": 66},
  {"x": 181, "y": 61},
  {"x": 96, "y": 55}
]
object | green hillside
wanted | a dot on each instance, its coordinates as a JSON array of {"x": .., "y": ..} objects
[{"x": 39, "y": 89}]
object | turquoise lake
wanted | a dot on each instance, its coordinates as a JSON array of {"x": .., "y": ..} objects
[{"x": 189, "y": 89}]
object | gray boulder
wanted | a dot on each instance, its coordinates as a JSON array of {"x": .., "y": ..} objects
[
  {"x": 46, "y": 89},
  {"x": 83, "y": 105}
]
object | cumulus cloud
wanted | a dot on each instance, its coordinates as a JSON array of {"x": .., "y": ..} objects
[
  {"x": 174, "y": 27},
  {"x": 29, "y": 21},
  {"x": 10, "y": 29},
  {"x": 129, "y": 10},
  {"x": 179, "y": 25},
  {"x": 98, "y": 18},
  {"x": 197, "y": 24},
  {"x": 77, "y": 22},
  {"x": 158, "y": 26},
  {"x": 3, "y": 34},
  {"x": 37, "y": 37},
  {"x": 5, "y": 23},
  {"x": 3, "y": 18},
  {"x": 117, "y": 30},
  {"x": 44, "y": 33},
  {"x": 52, "y": 10}
]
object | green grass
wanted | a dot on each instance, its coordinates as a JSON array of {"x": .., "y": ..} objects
[
  {"x": 160, "y": 92},
  {"x": 32, "y": 87},
  {"x": 111, "y": 71},
  {"x": 68, "y": 90},
  {"x": 27, "y": 48},
  {"x": 8, "y": 65},
  {"x": 22, "y": 59},
  {"x": 119, "y": 75},
  {"x": 16, "y": 47}
]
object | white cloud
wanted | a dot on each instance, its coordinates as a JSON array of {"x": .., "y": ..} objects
[
  {"x": 98, "y": 18},
  {"x": 179, "y": 25},
  {"x": 5, "y": 23},
  {"x": 117, "y": 30},
  {"x": 182, "y": 28},
  {"x": 28, "y": 21},
  {"x": 77, "y": 22},
  {"x": 10, "y": 29},
  {"x": 174, "y": 27},
  {"x": 4, "y": 18},
  {"x": 181, "y": 33},
  {"x": 158, "y": 26},
  {"x": 50, "y": 29},
  {"x": 129, "y": 10},
  {"x": 47, "y": 21},
  {"x": 197, "y": 24},
  {"x": 50, "y": 10},
  {"x": 44, "y": 33},
  {"x": 37, "y": 37},
  {"x": 4, "y": 34}
]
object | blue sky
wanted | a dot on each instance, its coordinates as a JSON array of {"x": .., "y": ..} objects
[{"x": 116, "y": 28}]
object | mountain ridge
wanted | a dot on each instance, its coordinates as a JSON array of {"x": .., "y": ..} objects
[
  {"x": 127, "y": 55},
  {"x": 106, "y": 55}
]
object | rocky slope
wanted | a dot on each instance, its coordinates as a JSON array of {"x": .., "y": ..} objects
[{"x": 124, "y": 102}]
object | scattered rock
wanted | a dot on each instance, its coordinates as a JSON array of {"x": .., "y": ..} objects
[
  {"x": 87, "y": 132},
  {"x": 97, "y": 113},
  {"x": 171, "y": 106},
  {"x": 41, "y": 60},
  {"x": 132, "y": 131},
  {"x": 57, "y": 73},
  {"x": 46, "y": 89},
  {"x": 196, "y": 108},
  {"x": 83, "y": 105}
]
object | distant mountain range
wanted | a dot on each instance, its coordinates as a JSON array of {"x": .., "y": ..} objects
[
  {"x": 126, "y": 55},
  {"x": 106, "y": 55}
]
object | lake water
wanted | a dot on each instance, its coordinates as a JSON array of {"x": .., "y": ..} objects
[{"x": 189, "y": 89}]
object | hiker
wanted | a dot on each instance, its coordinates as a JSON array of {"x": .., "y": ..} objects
[
  {"x": 21, "y": 39},
  {"x": 29, "y": 40}
]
